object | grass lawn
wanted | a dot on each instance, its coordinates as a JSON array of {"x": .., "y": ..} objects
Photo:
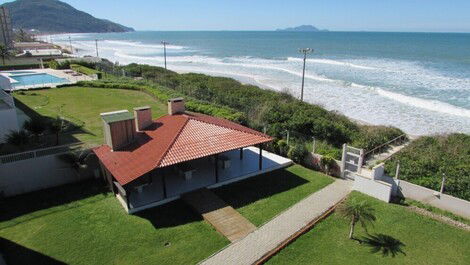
[
  {"x": 262, "y": 198},
  {"x": 96, "y": 230},
  {"x": 83, "y": 105},
  {"x": 426, "y": 241},
  {"x": 83, "y": 224}
]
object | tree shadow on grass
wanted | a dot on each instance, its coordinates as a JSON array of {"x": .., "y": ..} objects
[
  {"x": 385, "y": 244},
  {"x": 14, "y": 253},
  {"x": 250, "y": 190}
]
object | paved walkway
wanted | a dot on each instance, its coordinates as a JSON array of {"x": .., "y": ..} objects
[
  {"x": 251, "y": 248},
  {"x": 221, "y": 216}
]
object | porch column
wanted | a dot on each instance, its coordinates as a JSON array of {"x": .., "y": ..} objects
[
  {"x": 241, "y": 153},
  {"x": 217, "y": 168},
  {"x": 164, "y": 184},
  {"x": 128, "y": 195},
  {"x": 260, "y": 157}
]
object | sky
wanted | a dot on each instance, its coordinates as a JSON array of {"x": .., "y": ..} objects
[{"x": 338, "y": 15}]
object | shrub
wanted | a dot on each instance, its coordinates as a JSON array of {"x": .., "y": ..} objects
[
  {"x": 297, "y": 153},
  {"x": 424, "y": 161},
  {"x": 283, "y": 148},
  {"x": 35, "y": 126},
  {"x": 328, "y": 163},
  {"x": 18, "y": 138}
]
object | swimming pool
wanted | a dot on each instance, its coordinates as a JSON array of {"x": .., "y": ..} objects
[{"x": 39, "y": 79}]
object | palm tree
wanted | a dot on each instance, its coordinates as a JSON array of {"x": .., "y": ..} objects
[
  {"x": 357, "y": 211},
  {"x": 4, "y": 53},
  {"x": 17, "y": 138},
  {"x": 56, "y": 127}
]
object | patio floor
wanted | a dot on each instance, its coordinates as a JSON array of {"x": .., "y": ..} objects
[
  {"x": 221, "y": 216},
  {"x": 204, "y": 176}
]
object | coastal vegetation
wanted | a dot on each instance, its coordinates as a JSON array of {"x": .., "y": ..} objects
[
  {"x": 426, "y": 160},
  {"x": 274, "y": 112}
]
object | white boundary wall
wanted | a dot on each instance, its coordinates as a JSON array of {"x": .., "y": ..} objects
[
  {"x": 378, "y": 189},
  {"x": 428, "y": 196},
  {"x": 31, "y": 171}
]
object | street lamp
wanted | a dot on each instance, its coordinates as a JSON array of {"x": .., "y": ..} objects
[
  {"x": 164, "y": 50},
  {"x": 305, "y": 51}
]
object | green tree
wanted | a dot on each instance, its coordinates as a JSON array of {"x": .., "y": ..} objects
[
  {"x": 357, "y": 211},
  {"x": 4, "y": 53},
  {"x": 56, "y": 127}
]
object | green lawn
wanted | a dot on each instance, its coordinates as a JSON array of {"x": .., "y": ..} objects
[
  {"x": 83, "y": 105},
  {"x": 96, "y": 230},
  {"x": 83, "y": 224},
  {"x": 262, "y": 198},
  {"x": 426, "y": 241}
]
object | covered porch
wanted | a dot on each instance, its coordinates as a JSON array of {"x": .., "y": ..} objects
[{"x": 168, "y": 183}]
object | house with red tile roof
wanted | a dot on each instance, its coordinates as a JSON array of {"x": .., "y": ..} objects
[{"x": 150, "y": 162}]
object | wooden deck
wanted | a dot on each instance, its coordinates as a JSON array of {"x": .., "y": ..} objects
[{"x": 221, "y": 216}]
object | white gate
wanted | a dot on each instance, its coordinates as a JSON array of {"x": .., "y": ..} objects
[{"x": 351, "y": 161}]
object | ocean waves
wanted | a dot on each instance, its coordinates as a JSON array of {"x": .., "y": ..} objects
[{"x": 405, "y": 94}]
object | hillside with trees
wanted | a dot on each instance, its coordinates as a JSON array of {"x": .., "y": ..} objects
[{"x": 54, "y": 16}]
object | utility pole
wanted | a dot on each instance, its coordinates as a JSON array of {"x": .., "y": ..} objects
[
  {"x": 70, "y": 41},
  {"x": 164, "y": 50},
  {"x": 96, "y": 44},
  {"x": 305, "y": 51}
]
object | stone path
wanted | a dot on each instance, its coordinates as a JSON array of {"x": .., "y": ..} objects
[
  {"x": 269, "y": 236},
  {"x": 221, "y": 216},
  {"x": 440, "y": 218}
]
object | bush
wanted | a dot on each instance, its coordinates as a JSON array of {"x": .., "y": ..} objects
[
  {"x": 424, "y": 161},
  {"x": 328, "y": 163},
  {"x": 19, "y": 138},
  {"x": 297, "y": 153},
  {"x": 283, "y": 148}
]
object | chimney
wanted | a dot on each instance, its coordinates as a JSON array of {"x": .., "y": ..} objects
[
  {"x": 143, "y": 117},
  {"x": 119, "y": 128},
  {"x": 175, "y": 106}
]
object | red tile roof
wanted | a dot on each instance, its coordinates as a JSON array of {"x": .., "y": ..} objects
[{"x": 174, "y": 139}]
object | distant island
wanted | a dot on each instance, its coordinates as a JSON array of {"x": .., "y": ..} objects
[
  {"x": 303, "y": 28},
  {"x": 53, "y": 16}
]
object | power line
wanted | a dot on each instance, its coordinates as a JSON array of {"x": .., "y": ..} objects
[
  {"x": 70, "y": 41},
  {"x": 305, "y": 51},
  {"x": 96, "y": 44}
]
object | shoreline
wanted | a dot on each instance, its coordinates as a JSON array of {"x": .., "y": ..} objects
[{"x": 251, "y": 80}]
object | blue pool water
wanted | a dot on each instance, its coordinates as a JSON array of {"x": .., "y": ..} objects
[{"x": 36, "y": 79}]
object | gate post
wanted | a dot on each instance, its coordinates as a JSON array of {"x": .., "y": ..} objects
[
  {"x": 361, "y": 161},
  {"x": 343, "y": 161}
]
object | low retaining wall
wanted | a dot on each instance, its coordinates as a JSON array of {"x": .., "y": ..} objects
[
  {"x": 425, "y": 195},
  {"x": 375, "y": 188},
  {"x": 36, "y": 170},
  {"x": 314, "y": 161}
]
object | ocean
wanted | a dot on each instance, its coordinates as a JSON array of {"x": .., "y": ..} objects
[{"x": 418, "y": 82}]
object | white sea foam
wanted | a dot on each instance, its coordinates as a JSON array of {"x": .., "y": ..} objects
[
  {"x": 141, "y": 45},
  {"x": 331, "y": 62},
  {"x": 377, "y": 103}
]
